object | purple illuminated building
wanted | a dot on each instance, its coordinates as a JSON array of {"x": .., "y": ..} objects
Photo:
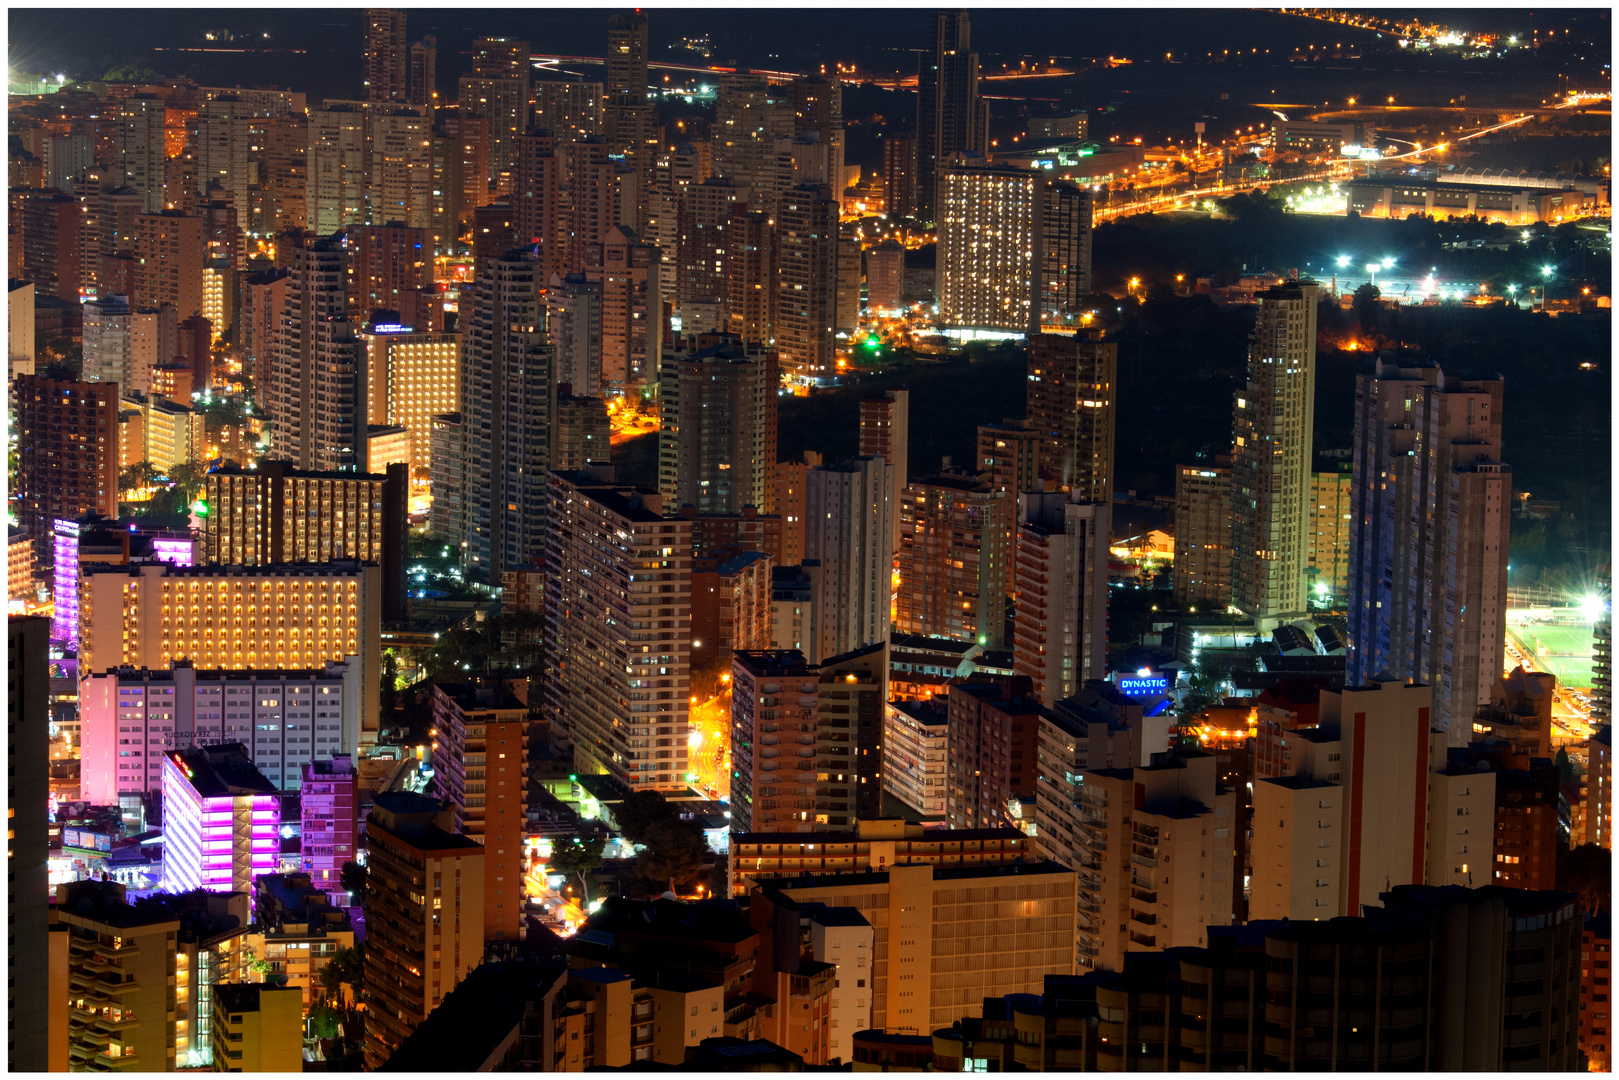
[
  {"x": 65, "y": 583},
  {"x": 101, "y": 540},
  {"x": 221, "y": 820}
]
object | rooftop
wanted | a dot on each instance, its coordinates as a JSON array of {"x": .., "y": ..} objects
[
  {"x": 476, "y": 1016},
  {"x": 222, "y": 771}
]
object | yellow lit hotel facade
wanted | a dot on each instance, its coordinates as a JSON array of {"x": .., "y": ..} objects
[
  {"x": 411, "y": 378},
  {"x": 277, "y": 617}
]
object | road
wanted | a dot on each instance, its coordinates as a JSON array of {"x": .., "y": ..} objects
[
  {"x": 1338, "y": 169},
  {"x": 710, "y": 745}
]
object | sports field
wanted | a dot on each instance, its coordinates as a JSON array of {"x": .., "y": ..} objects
[{"x": 1563, "y": 650}]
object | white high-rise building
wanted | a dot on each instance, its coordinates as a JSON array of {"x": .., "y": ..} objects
[
  {"x": 1429, "y": 512},
  {"x": 849, "y": 529},
  {"x": 141, "y": 150},
  {"x": 1272, "y": 458},
  {"x": 335, "y": 185},
  {"x": 1060, "y": 580},
  {"x": 317, "y": 392},
  {"x": 107, "y": 344},
  {"x": 130, "y": 717},
  {"x": 507, "y": 402}
]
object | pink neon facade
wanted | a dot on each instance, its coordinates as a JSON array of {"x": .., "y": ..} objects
[
  {"x": 218, "y": 843},
  {"x": 65, "y": 583}
]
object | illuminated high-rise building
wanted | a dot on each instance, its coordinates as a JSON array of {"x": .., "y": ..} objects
[
  {"x": 848, "y": 529},
  {"x": 67, "y": 454},
  {"x": 316, "y": 391},
  {"x": 1014, "y": 248},
  {"x": 1072, "y": 398},
  {"x": 951, "y": 117},
  {"x": 1270, "y": 470},
  {"x": 1429, "y": 516},
  {"x": 399, "y": 168},
  {"x": 480, "y": 768},
  {"x": 1059, "y": 639},
  {"x": 1327, "y": 563},
  {"x": 753, "y": 138},
  {"x": 626, "y": 273},
  {"x": 423, "y": 92},
  {"x": 140, "y": 148},
  {"x": 410, "y": 378},
  {"x": 629, "y": 121},
  {"x": 213, "y": 794},
  {"x": 955, "y": 559},
  {"x": 717, "y": 442},
  {"x": 385, "y": 264},
  {"x": 701, "y": 280},
  {"x": 497, "y": 87},
  {"x": 620, "y": 690},
  {"x": 1009, "y": 456},
  {"x": 807, "y": 283},
  {"x": 277, "y": 514},
  {"x": 885, "y": 431},
  {"x": 424, "y": 908},
  {"x": 170, "y": 251},
  {"x": 507, "y": 398},
  {"x": 328, "y": 801},
  {"x": 387, "y": 58},
  {"x": 538, "y": 212},
  {"x": 806, "y": 740},
  {"x": 569, "y": 108},
  {"x": 292, "y": 616},
  {"x": 750, "y": 270},
  {"x": 1203, "y": 536},
  {"x": 335, "y": 179}
]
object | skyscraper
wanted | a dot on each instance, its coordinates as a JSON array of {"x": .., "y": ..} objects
[
  {"x": 1430, "y": 532},
  {"x": 885, "y": 431},
  {"x": 717, "y": 442},
  {"x": 1072, "y": 396},
  {"x": 1154, "y": 853},
  {"x": 807, "y": 283},
  {"x": 329, "y": 802},
  {"x": 140, "y": 147},
  {"x": 334, "y": 191},
  {"x": 1059, "y": 639},
  {"x": 899, "y": 174},
  {"x": 1368, "y": 801},
  {"x": 750, "y": 267},
  {"x": 955, "y": 559},
  {"x": 621, "y": 688},
  {"x": 506, "y": 404},
  {"x": 950, "y": 115},
  {"x": 1014, "y": 247},
  {"x": 992, "y": 731},
  {"x": 626, "y": 273},
  {"x": 1203, "y": 536},
  {"x": 497, "y": 87},
  {"x": 424, "y": 907},
  {"x": 67, "y": 442},
  {"x": 1270, "y": 473},
  {"x": 423, "y": 91},
  {"x": 480, "y": 768},
  {"x": 848, "y": 528},
  {"x": 629, "y": 121},
  {"x": 316, "y": 391},
  {"x": 701, "y": 281},
  {"x": 387, "y": 58}
]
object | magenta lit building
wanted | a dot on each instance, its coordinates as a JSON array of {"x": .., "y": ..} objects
[
  {"x": 221, "y": 820},
  {"x": 330, "y": 824}
]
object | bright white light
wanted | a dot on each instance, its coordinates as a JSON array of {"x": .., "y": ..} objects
[
  {"x": 1591, "y": 607},
  {"x": 1343, "y": 260}
]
